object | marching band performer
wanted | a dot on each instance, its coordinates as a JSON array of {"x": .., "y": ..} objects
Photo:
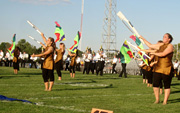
[
  {"x": 1, "y": 57},
  {"x": 163, "y": 70},
  {"x": 16, "y": 60},
  {"x": 24, "y": 59},
  {"x": 101, "y": 61},
  {"x": 72, "y": 64},
  {"x": 48, "y": 64},
  {"x": 85, "y": 58},
  {"x": 93, "y": 64},
  {"x": 88, "y": 61},
  {"x": 7, "y": 59},
  {"x": 114, "y": 62},
  {"x": 78, "y": 63},
  {"x": 59, "y": 60}
]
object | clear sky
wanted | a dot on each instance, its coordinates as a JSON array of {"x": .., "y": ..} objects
[{"x": 151, "y": 18}]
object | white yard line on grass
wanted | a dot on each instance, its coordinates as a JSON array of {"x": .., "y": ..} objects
[
  {"x": 87, "y": 96},
  {"x": 71, "y": 108}
]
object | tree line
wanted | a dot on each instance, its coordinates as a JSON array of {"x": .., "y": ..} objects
[{"x": 23, "y": 45}]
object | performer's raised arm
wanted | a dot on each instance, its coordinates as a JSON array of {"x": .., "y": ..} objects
[
  {"x": 44, "y": 38},
  {"x": 153, "y": 46},
  {"x": 43, "y": 45}
]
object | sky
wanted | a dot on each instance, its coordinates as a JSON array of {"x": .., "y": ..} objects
[{"x": 151, "y": 18}]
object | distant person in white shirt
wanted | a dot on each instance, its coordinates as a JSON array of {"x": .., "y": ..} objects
[
  {"x": 101, "y": 61},
  {"x": 78, "y": 63},
  {"x": 67, "y": 62},
  {"x": 7, "y": 58},
  {"x": 176, "y": 66},
  {"x": 1, "y": 57},
  {"x": 88, "y": 61},
  {"x": 85, "y": 56},
  {"x": 93, "y": 64},
  {"x": 33, "y": 62},
  {"x": 24, "y": 58},
  {"x": 114, "y": 62}
]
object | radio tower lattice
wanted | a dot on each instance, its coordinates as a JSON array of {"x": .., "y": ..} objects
[{"x": 109, "y": 27}]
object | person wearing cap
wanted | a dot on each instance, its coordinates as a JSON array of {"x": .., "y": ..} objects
[{"x": 101, "y": 61}]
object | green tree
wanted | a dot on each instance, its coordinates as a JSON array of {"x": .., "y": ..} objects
[
  {"x": 27, "y": 47},
  {"x": 4, "y": 46}
]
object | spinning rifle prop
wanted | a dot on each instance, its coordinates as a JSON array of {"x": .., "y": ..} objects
[
  {"x": 34, "y": 27},
  {"x": 33, "y": 39},
  {"x": 132, "y": 29}
]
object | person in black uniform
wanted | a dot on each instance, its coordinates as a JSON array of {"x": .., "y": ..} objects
[
  {"x": 93, "y": 64},
  {"x": 101, "y": 61},
  {"x": 123, "y": 70}
]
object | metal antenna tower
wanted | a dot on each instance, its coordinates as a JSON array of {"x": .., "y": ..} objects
[{"x": 109, "y": 27}]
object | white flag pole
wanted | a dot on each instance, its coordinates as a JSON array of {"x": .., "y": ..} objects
[{"x": 82, "y": 12}]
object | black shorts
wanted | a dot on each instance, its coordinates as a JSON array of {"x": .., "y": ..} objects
[
  {"x": 158, "y": 77},
  {"x": 16, "y": 65},
  {"x": 72, "y": 69},
  {"x": 144, "y": 74},
  {"x": 59, "y": 65},
  {"x": 48, "y": 74},
  {"x": 150, "y": 76}
]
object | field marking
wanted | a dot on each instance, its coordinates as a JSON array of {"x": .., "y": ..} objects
[
  {"x": 73, "y": 84},
  {"x": 89, "y": 85},
  {"x": 71, "y": 108},
  {"x": 88, "y": 96}
]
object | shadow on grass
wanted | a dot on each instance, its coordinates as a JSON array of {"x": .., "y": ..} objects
[
  {"x": 174, "y": 100},
  {"x": 173, "y": 92},
  {"x": 87, "y": 88},
  {"x": 30, "y": 74},
  {"x": 175, "y": 84},
  {"x": 8, "y": 77}
]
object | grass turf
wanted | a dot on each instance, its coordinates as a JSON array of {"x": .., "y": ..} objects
[{"x": 81, "y": 94}]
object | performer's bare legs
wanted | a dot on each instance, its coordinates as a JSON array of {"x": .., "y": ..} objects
[
  {"x": 51, "y": 85},
  {"x": 156, "y": 93},
  {"x": 59, "y": 78},
  {"x": 166, "y": 95},
  {"x": 46, "y": 86}
]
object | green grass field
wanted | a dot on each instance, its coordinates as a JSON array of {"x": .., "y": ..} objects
[{"x": 81, "y": 94}]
